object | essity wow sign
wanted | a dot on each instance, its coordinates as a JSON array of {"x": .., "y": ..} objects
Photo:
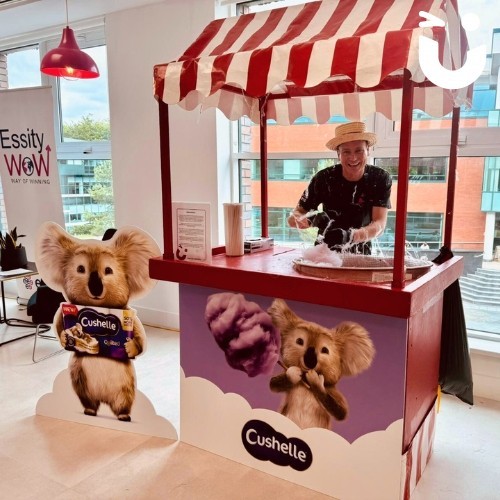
[
  {"x": 28, "y": 161},
  {"x": 27, "y": 154}
]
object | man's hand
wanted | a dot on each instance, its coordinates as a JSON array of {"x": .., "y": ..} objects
[
  {"x": 336, "y": 237},
  {"x": 320, "y": 221},
  {"x": 298, "y": 219}
]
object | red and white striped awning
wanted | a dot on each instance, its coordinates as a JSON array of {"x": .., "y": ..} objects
[{"x": 298, "y": 57}]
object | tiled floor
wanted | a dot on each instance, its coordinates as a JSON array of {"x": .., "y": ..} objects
[{"x": 45, "y": 458}]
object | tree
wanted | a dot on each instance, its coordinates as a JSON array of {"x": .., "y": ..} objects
[
  {"x": 102, "y": 196},
  {"x": 101, "y": 191},
  {"x": 87, "y": 129}
]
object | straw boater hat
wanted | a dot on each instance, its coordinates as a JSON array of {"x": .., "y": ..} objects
[{"x": 354, "y": 131}]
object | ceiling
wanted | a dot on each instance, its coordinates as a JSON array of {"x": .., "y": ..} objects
[{"x": 18, "y": 17}]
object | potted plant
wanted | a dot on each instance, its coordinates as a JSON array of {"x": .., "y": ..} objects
[{"x": 12, "y": 253}]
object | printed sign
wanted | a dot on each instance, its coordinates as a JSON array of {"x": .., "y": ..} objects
[
  {"x": 191, "y": 231},
  {"x": 28, "y": 161}
]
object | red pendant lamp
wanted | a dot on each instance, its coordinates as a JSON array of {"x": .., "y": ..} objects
[{"x": 67, "y": 60}]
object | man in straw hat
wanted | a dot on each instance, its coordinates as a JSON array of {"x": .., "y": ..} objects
[{"x": 355, "y": 196}]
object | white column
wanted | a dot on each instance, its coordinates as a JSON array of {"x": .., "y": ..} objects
[{"x": 489, "y": 234}]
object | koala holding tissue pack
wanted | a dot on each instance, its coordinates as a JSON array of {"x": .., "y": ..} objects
[{"x": 98, "y": 274}]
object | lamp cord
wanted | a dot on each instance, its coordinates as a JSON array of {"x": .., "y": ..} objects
[{"x": 67, "y": 18}]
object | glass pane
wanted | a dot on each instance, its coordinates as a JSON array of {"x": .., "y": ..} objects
[
  {"x": 87, "y": 194},
  {"x": 421, "y": 169},
  {"x": 23, "y": 68},
  {"x": 423, "y": 233},
  {"x": 85, "y": 103}
]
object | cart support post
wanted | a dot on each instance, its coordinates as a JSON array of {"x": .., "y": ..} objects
[
  {"x": 452, "y": 176},
  {"x": 166, "y": 183},
  {"x": 264, "y": 203},
  {"x": 403, "y": 177}
]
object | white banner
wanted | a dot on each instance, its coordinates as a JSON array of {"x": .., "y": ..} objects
[{"x": 28, "y": 162}]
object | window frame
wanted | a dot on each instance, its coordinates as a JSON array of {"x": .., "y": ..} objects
[
  {"x": 90, "y": 33},
  {"x": 98, "y": 150}
]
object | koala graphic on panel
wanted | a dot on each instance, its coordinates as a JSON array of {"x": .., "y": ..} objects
[{"x": 315, "y": 358}]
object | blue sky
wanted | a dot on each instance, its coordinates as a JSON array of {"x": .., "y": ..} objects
[
  {"x": 82, "y": 97},
  {"x": 489, "y": 16}
]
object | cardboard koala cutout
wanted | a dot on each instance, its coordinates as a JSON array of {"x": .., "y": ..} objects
[
  {"x": 98, "y": 279},
  {"x": 315, "y": 358}
]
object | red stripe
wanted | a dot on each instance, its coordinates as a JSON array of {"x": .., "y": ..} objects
[
  {"x": 207, "y": 35},
  {"x": 413, "y": 18},
  {"x": 219, "y": 71},
  {"x": 373, "y": 18},
  {"x": 187, "y": 80},
  {"x": 294, "y": 109},
  {"x": 336, "y": 20},
  {"x": 345, "y": 57},
  {"x": 300, "y": 54},
  {"x": 322, "y": 108},
  {"x": 271, "y": 109},
  {"x": 395, "y": 53},
  {"x": 298, "y": 63},
  {"x": 258, "y": 67},
  {"x": 383, "y": 103},
  {"x": 299, "y": 23},
  {"x": 419, "y": 98},
  {"x": 159, "y": 80},
  {"x": 233, "y": 34},
  {"x": 262, "y": 33},
  {"x": 351, "y": 106}
]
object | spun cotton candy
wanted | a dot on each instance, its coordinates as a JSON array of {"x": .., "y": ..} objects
[
  {"x": 321, "y": 254},
  {"x": 244, "y": 332}
]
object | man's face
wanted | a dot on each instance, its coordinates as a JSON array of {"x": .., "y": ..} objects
[{"x": 353, "y": 156}]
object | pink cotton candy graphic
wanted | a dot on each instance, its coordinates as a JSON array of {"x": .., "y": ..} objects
[{"x": 244, "y": 332}]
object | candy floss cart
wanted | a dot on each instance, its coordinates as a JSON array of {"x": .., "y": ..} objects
[{"x": 328, "y": 382}]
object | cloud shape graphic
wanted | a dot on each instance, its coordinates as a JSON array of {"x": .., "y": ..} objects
[
  {"x": 370, "y": 467},
  {"x": 63, "y": 403}
]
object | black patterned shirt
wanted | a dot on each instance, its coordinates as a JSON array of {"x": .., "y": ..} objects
[{"x": 348, "y": 203}]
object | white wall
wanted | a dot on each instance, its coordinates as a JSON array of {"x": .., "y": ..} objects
[{"x": 137, "y": 39}]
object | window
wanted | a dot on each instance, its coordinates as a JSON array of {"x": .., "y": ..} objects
[
  {"x": 82, "y": 131},
  {"x": 23, "y": 67},
  {"x": 296, "y": 152},
  {"x": 423, "y": 229},
  {"x": 490, "y": 201},
  {"x": 87, "y": 195},
  {"x": 278, "y": 227},
  {"x": 83, "y": 104},
  {"x": 421, "y": 169},
  {"x": 290, "y": 169}
]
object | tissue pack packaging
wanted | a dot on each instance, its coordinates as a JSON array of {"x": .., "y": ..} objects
[
  {"x": 97, "y": 331},
  {"x": 258, "y": 245}
]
